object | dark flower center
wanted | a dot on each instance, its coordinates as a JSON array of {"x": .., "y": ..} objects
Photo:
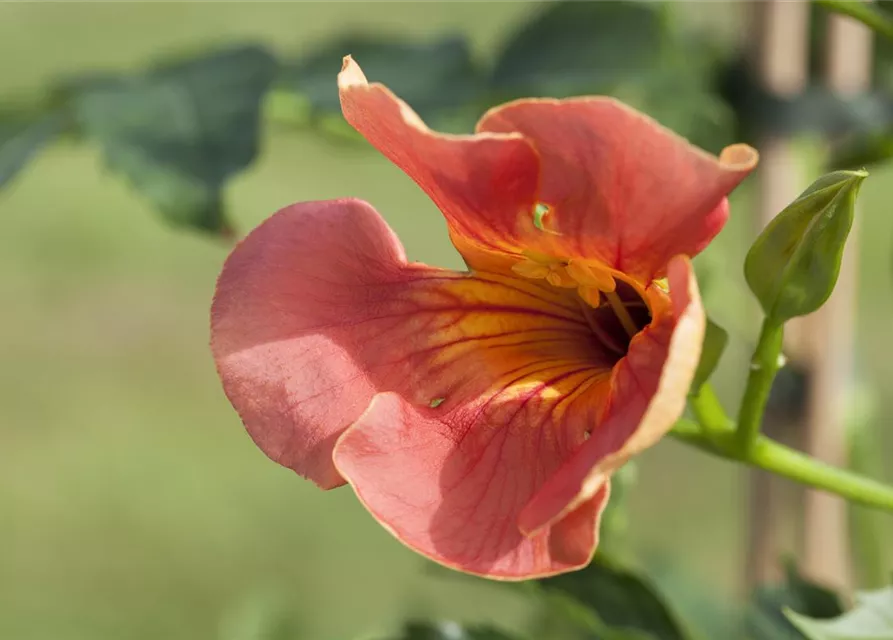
[{"x": 608, "y": 329}]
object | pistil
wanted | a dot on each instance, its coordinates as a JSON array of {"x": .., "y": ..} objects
[{"x": 622, "y": 314}]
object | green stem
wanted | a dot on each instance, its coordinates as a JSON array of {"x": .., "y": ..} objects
[
  {"x": 763, "y": 367},
  {"x": 776, "y": 458},
  {"x": 708, "y": 410},
  {"x": 864, "y": 12},
  {"x": 779, "y": 459}
]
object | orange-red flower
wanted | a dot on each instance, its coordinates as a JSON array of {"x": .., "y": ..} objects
[{"x": 479, "y": 415}]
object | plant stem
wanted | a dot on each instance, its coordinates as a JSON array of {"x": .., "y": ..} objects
[
  {"x": 779, "y": 459},
  {"x": 708, "y": 410},
  {"x": 776, "y": 458},
  {"x": 870, "y": 16},
  {"x": 763, "y": 367}
]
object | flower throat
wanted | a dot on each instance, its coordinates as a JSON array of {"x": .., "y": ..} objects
[{"x": 620, "y": 315}]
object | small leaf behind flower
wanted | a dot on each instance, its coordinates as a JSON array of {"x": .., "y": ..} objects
[
  {"x": 178, "y": 132},
  {"x": 715, "y": 340},
  {"x": 21, "y": 138},
  {"x": 633, "y": 51},
  {"x": 572, "y": 46},
  {"x": 872, "y": 619},
  {"x": 766, "y": 614},
  {"x": 432, "y": 77},
  {"x": 620, "y": 598},
  {"x": 605, "y": 600},
  {"x": 793, "y": 265}
]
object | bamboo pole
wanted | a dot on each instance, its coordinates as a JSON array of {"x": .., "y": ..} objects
[
  {"x": 780, "y": 31},
  {"x": 832, "y": 329}
]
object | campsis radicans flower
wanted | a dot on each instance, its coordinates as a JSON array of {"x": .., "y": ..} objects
[{"x": 479, "y": 415}]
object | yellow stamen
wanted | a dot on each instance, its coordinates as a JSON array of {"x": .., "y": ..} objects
[
  {"x": 558, "y": 277},
  {"x": 541, "y": 258},
  {"x": 591, "y": 275},
  {"x": 531, "y": 269},
  {"x": 538, "y": 266},
  {"x": 622, "y": 314},
  {"x": 590, "y": 295},
  {"x": 553, "y": 278}
]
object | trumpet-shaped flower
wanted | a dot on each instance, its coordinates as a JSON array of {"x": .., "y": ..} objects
[{"x": 479, "y": 415}]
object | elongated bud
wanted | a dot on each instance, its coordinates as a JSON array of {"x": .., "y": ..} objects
[{"x": 793, "y": 265}]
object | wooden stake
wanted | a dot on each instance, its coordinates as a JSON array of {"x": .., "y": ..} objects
[
  {"x": 832, "y": 333},
  {"x": 781, "y": 34}
]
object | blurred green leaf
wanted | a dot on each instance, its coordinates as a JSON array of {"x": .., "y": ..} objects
[
  {"x": 432, "y": 77},
  {"x": 620, "y": 598},
  {"x": 871, "y": 619},
  {"x": 709, "y": 612},
  {"x": 715, "y": 340},
  {"x": 180, "y": 131},
  {"x": 766, "y": 619},
  {"x": 449, "y": 631},
  {"x": 630, "y": 50},
  {"x": 604, "y": 601},
  {"x": 21, "y": 138},
  {"x": 793, "y": 265},
  {"x": 571, "y": 46},
  {"x": 564, "y": 618}
]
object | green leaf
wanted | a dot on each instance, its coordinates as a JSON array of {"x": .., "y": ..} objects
[
  {"x": 564, "y": 617},
  {"x": 766, "y": 618},
  {"x": 715, "y": 340},
  {"x": 180, "y": 131},
  {"x": 793, "y": 265},
  {"x": 432, "y": 77},
  {"x": 574, "y": 45},
  {"x": 620, "y": 598},
  {"x": 871, "y": 619},
  {"x": 711, "y": 613},
  {"x": 604, "y": 601},
  {"x": 630, "y": 50},
  {"x": 449, "y": 631},
  {"x": 21, "y": 138}
]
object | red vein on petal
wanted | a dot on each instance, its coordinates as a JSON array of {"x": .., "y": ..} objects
[
  {"x": 529, "y": 395},
  {"x": 504, "y": 431},
  {"x": 532, "y": 289}
]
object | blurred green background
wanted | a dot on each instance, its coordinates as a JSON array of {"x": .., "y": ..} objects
[{"x": 132, "y": 503}]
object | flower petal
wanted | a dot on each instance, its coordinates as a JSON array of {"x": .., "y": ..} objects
[
  {"x": 317, "y": 310},
  {"x": 649, "y": 389},
  {"x": 450, "y": 485},
  {"x": 485, "y": 184},
  {"x": 620, "y": 187}
]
